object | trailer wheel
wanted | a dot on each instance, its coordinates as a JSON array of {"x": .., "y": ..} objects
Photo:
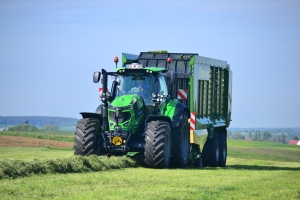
[
  {"x": 157, "y": 144},
  {"x": 198, "y": 162},
  {"x": 195, "y": 157},
  {"x": 86, "y": 137},
  {"x": 223, "y": 149},
  {"x": 211, "y": 151},
  {"x": 181, "y": 145}
]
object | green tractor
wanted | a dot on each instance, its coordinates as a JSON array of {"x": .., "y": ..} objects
[
  {"x": 171, "y": 108},
  {"x": 139, "y": 115}
]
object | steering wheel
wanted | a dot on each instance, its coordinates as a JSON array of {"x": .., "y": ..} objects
[{"x": 135, "y": 90}]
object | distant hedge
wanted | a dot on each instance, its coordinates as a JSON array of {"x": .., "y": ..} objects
[
  {"x": 23, "y": 127},
  {"x": 38, "y": 121}
]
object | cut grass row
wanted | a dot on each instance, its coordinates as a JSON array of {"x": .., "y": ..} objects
[
  {"x": 74, "y": 164},
  {"x": 59, "y": 136}
]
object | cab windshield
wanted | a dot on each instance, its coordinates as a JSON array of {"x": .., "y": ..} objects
[{"x": 142, "y": 85}]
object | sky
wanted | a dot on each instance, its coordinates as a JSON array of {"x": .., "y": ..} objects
[{"x": 50, "y": 49}]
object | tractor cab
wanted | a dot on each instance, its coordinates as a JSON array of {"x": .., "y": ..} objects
[{"x": 146, "y": 85}]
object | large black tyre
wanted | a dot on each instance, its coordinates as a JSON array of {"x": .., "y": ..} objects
[
  {"x": 181, "y": 144},
  {"x": 157, "y": 144},
  {"x": 223, "y": 149},
  {"x": 85, "y": 142},
  {"x": 211, "y": 152}
]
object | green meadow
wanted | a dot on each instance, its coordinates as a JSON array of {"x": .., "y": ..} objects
[
  {"x": 59, "y": 136},
  {"x": 255, "y": 170}
]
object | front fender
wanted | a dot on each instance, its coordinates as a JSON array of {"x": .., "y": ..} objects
[{"x": 92, "y": 115}]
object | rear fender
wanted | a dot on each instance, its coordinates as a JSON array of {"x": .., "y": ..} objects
[{"x": 180, "y": 109}]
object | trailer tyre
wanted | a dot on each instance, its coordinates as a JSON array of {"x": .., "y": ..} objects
[
  {"x": 181, "y": 145},
  {"x": 158, "y": 144},
  {"x": 223, "y": 149},
  {"x": 198, "y": 162},
  {"x": 86, "y": 137},
  {"x": 211, "y": 152}
]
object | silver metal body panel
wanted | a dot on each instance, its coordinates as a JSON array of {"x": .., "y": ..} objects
[{"x": 202, "y": 71}]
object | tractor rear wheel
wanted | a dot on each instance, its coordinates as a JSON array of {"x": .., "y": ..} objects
[
  {"x": 211, "y": 151},
  {"x": 157, "y": 144},
  {"x": 181, "y": 145},
  {"x": 85, "y": 142}
]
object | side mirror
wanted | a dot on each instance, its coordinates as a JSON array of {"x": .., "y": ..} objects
[
  {"x": 173, "y": 79},
  {"x": 114, "y": 88},
  {"x": 96, "y": 77}
]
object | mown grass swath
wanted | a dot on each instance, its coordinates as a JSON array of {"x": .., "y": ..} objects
[{"x": 75, "y": 164}]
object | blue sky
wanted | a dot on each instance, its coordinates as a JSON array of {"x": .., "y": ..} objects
[{"x": 50, "y": 49}]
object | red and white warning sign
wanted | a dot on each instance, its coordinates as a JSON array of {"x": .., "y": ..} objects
[
  {"x": 182, "y": 94},
  {"x": 193, "y": 121}
]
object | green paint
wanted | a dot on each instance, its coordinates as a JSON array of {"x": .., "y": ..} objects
[
  {"x": 132, "y": 153},
  {"x": 124, "y": 100},
  {"x": 124, "y": 105},
  {"x": 191, "y": 82},
  {"x": 124, "y": 60},
  {"x": 167, "y": 108}
]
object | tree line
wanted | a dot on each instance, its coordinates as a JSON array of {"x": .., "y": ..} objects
[
  {"x": 266, "y": 136},
  {"x": 31, "y": 128}
]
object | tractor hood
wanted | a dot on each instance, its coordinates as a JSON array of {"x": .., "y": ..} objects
[
  {"x": 126, "y": 100},
  {"x": 126, "y": 112}
]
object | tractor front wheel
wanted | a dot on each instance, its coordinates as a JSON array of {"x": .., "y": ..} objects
[
  {"x": 158, "y": 144},
  {"x": 85, "y": 142}
]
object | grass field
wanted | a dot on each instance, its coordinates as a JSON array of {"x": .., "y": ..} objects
[
  {"x": 59, "y": 136},
  {"x": 255, "y": 170},
  {"x": 29, "y": 153}
]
